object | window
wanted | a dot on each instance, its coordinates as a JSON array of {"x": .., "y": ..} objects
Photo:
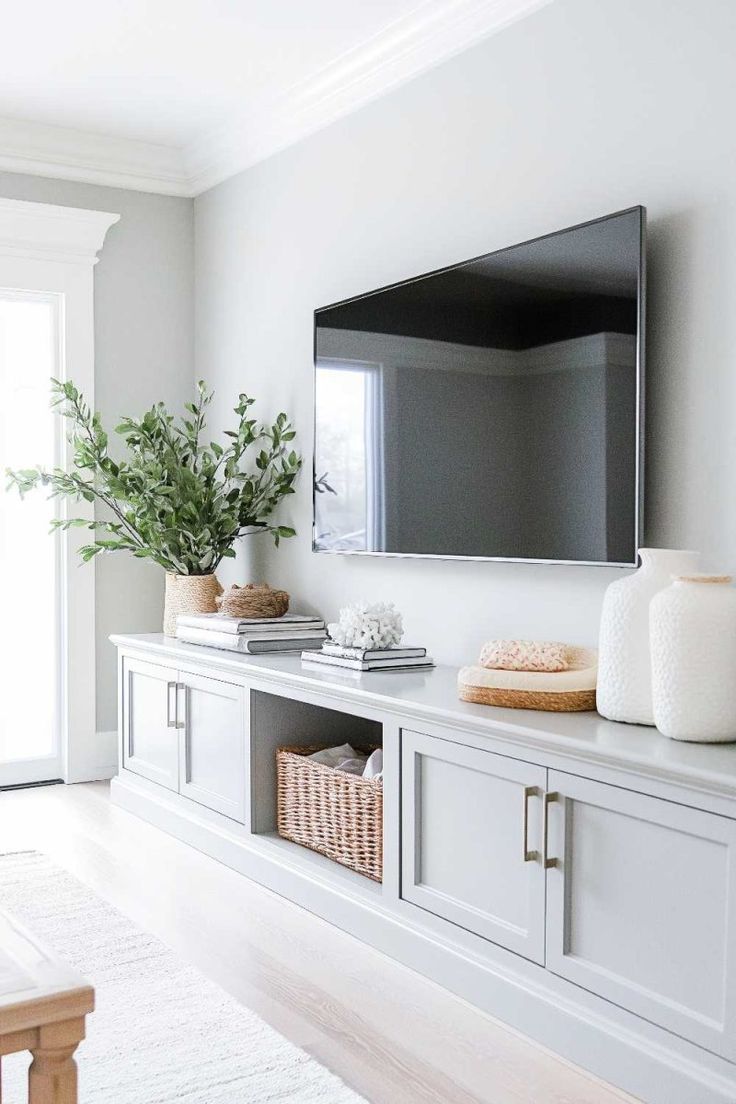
[
  {"x": 47, "y": 654},
  {"x": 349, "y": 463},
  {"x": 29, "y": 556}
]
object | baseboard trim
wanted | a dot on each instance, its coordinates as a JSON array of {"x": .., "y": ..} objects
[
  {"x": 98, "y": 764},
  {"x": 32, "y": 785},
  {"x": 604, "y": 1041}
]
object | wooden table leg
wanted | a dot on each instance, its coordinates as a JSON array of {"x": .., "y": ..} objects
[{"x": 52, "y": 1077}]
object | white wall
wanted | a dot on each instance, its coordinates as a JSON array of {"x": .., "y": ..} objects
[
  {"x": 582, "y": 109},
  {"x": 143, "y": 353}
]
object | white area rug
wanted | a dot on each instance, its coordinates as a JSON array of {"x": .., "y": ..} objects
[{"x": 161, "y": 1033}]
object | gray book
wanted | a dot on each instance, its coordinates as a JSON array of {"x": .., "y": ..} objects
[{"x": 257, "y": 647}]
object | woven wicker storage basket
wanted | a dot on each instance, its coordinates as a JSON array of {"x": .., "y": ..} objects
[{"x": 340, "y": 815}]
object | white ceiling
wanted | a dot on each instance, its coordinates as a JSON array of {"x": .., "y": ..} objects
[
  {"x": 174, "y": 95},
  {"x": 169, "y": 70}
]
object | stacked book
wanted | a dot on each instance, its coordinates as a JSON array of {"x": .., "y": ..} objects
[
  {"x": 291, "y": 633},
  {"x": 369, "y": 659}
]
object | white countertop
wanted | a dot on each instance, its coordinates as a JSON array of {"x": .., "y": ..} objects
[{"x": 432, "y": 695}]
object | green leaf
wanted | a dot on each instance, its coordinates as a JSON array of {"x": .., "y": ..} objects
[{"x": 169, "y": 498}]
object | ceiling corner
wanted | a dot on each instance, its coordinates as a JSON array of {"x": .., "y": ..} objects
[{"x": 430, "y": 35}]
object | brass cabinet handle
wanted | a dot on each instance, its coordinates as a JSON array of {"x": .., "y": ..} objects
[
  {"x": 529, "y": 791},
  {"x": 548, "y": 799},
  {"x": 170, "y": 720}
]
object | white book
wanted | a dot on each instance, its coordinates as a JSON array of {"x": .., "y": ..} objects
[
  {"x": 260, "y": 632},
  {"x": 240, "y": 642},
  {"x": 329, "y": 648},
  {"x": 218, "y": 622},
  {"x": 358, "y": 672},
  {"x": 275, "y": 632},
  {"x": 325, "y": 660}
]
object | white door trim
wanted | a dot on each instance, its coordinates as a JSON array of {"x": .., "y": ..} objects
[{"x": 52, "y": 250}]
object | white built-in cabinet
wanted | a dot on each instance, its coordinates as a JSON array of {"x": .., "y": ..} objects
[
  {"x": 627, "y": 896},
  {"x": 557, "y": 871},
  {"x": 641, "y": 907},
  {"x": 471, "y": 840},
  {"x": 150, "y": 738},
  {"x": 212, "y": 747},
  {"x": 186, "y": 732}
]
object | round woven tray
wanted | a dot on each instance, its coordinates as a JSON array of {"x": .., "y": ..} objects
[
  {"x": 570, "y": 701},
  {"x": 570, "y": 691}
]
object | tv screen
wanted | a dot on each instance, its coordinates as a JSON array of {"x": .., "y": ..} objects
[{"x": 489, "y": 410}]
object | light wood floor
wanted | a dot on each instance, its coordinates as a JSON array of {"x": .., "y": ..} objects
[{"x": 395, "y": 1037}]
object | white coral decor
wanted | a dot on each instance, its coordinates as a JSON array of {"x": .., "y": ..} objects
[{"x": 363, "y": 626}]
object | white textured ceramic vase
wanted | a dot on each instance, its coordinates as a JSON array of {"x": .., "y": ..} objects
[
  {"x": 624, "y": 690},
  {"x": 693, "y": 641}
]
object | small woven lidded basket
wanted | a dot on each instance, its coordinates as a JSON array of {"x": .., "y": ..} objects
[
  {"x": 253, "y": 600},
  {"x": 339, "y": 815}
]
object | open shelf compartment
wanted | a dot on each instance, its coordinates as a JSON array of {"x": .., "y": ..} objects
[{"x": 287, "y": 722}]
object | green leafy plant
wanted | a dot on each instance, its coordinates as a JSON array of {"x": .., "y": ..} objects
[{"x": 172, "y": 499}]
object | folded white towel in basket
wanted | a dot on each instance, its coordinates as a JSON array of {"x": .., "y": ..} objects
[
  {"x": 346, "y": 758},
  {"x": 332, "y": 756},
  {"x": 374, "y": 766},
  {"x": 352, "y": 766}
]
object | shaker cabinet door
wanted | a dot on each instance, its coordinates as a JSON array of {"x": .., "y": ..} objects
[
  {"x": 213, "y": 732},
  {"x": 472, "y": 840},
  {"x": 150, "y": 739},
  {"x": 641, "y": 906}
]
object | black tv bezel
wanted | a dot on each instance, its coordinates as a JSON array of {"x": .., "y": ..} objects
[{"x": 640, "y": 402}]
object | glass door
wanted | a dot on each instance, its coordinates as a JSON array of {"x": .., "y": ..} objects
[{"x": 30, "y": 558}]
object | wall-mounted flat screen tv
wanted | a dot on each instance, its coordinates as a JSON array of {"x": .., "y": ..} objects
[{"x": 489, "y": 410}]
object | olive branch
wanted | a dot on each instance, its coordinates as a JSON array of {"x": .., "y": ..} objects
[{"x": 173, "y": 498}]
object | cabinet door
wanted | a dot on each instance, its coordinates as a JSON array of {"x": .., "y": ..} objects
[
  {"x": 471, "y": 840},
  {"x": 641, "y": 906},
  {"x": 212, "y": 716},
  {"x": 150, "y": 739}
]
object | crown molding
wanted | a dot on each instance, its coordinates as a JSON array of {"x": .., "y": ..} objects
[
  {"x": 431, "y": 34},
  {"x": 434, "y": 32},
  {"x": 62, "y": 153},
  {"x": 43, "y": 231}
]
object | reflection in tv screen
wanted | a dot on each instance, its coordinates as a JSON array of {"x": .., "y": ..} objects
[{"x": 490, "y": 409}]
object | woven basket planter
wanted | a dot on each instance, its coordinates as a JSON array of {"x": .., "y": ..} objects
[
  {"x": 339, "y": 815},
  {"x": 188, "y": 594}
]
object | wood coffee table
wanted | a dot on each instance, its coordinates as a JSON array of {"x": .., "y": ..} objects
[{"x": 43, "y": 1004}]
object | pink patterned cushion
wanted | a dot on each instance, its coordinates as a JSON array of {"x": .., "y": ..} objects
[{"x": 525, "y": 655}]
